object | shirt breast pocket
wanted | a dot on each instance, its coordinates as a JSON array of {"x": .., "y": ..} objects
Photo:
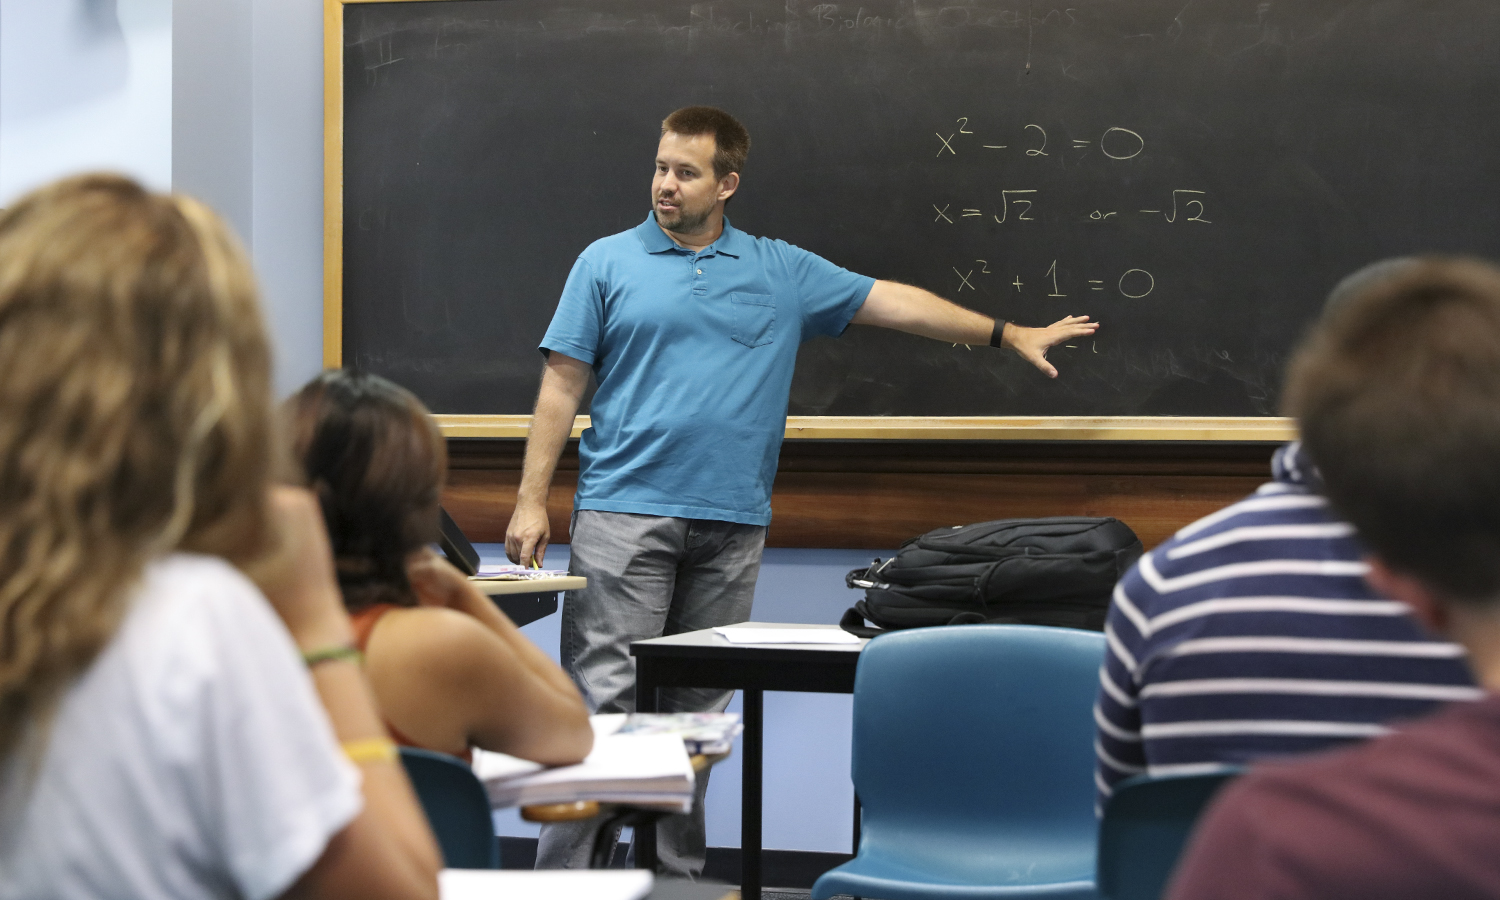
[{"x": 754, "y": 318}]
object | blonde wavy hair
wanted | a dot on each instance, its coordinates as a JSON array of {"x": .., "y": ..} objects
[{"x": 135, "y": 416}]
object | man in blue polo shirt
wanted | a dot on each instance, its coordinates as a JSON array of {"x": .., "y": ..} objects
[{"x": 691, "y": 328}]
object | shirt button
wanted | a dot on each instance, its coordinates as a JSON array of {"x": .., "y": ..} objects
[{"x": 700, "y": 271}]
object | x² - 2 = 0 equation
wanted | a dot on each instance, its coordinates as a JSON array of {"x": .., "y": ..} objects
[
  {"x": 1115, "y": 142},
  {"x": 1020, "y": 206},
  {"x": 1132, "y": 284}
]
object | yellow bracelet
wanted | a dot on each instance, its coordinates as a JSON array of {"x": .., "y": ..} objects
[{"x": 371, "y": 750}]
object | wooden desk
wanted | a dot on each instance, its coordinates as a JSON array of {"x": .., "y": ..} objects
[
  {"x": 704, "y": 659},
  {"x": 527, "y": 601}
]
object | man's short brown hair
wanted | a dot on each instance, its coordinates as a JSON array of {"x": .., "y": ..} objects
[
  {"x": 1397, "y": 392},
  {"x": 731, "y": 140}
]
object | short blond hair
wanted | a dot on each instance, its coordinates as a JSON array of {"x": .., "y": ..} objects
[{"x": 135, "y": 411}]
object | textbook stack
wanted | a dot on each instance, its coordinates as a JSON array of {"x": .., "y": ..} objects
[
  {"x": 638, "y": 760},
  {"x": 708, "y": 734}
]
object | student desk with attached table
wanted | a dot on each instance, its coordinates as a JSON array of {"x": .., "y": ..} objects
[
  {"x": 703, "y": 659},
  {"x": 525, "y": 601}
]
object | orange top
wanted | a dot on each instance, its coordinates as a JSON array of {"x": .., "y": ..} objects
[{"x": 364, "y": 624}]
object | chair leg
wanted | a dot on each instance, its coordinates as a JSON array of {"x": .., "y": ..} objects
[{"x": 605, "y": 839}]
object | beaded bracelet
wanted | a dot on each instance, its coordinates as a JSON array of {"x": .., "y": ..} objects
[{"x": 333, "y": 654}]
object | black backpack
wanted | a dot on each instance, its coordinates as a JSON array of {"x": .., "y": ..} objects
[{"x": 1056, "y": 571}]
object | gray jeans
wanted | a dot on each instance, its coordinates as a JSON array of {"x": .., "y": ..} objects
[{"x": 648, "y": 576}]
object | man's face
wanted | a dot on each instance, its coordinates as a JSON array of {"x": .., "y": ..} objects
[{"x": 684, "y": 191}]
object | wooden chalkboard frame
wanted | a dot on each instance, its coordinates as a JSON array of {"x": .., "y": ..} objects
[{"x": 1028, "y": 428}]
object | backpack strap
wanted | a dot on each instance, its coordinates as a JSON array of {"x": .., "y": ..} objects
[{"x": 854, "y": 623}]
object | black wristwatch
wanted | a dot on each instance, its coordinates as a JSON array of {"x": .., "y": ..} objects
[{"x": 997, "y": 336}]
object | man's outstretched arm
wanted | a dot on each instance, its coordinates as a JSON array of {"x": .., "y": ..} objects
[
  {"x": 563, "y": 384},
  {"x": 905, "y": 308}
]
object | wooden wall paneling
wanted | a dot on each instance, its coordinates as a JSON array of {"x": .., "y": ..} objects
[{"x": 875, "y": 494}]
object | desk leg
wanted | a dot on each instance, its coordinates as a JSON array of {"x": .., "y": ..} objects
[
  {"x": 645, "y": 701},
  {"x": 750, "y": 795}
]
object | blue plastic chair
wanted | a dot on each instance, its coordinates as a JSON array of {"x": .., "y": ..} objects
[
  {"x": 1146, "y": 824},
  {"x": 973, "y": 760},
  {"x": 457, "y": 808}
]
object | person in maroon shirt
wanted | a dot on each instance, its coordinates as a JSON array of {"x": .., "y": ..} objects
[{"x": 1397, "y": 394}]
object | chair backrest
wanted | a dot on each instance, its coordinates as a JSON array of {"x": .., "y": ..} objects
[
  {"x": 457, "y": 808},
  {"x": 976, "y": 733},
  {"x": 1147, "y": 820}
]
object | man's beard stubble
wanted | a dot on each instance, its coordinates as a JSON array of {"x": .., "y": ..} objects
[{"x": 683, "y": 222}]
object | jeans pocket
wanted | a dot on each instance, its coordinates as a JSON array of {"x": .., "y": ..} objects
[{"x": 754, "y": 318}]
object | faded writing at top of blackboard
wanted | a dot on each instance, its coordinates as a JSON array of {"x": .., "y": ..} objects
[{"x": 1196, "y": 176}]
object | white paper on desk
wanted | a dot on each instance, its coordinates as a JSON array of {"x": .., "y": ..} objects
[
  {"x": 491, "y": 766},
  {"x": 575, "y": 884},
  {"x": 739, "y": 635},
  {"x": 510, "y": 572},
  {"x": 622, "y": 768},
  {"x": 606, "y": 724}
]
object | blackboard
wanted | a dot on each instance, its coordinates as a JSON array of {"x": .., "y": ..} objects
[{"x": 1196, "y": 174}]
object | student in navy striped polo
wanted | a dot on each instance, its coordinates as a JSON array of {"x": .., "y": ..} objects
[
  {"x": 1398, "y": 398},
  {"x": 1251, "y": 633}
]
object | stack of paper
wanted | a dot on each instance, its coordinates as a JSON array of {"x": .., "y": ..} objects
[
  {"x": 742, "y": 634},
  {"x": 510, "y": 572},
  {"x": 638, "y": 769},
  {"x": 706, "y": 733},
  {"x": 489, "y": 884}
]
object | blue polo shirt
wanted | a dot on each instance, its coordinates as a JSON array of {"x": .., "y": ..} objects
[{"x": 693, "y": 353}]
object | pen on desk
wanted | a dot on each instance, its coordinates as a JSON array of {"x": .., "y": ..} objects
[{"x": 534, "y": 563}]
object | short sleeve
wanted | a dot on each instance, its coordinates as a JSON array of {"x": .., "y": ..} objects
[
  {"x": 830, "y": 295},
  {"x": 578, "y": 324},
  {"x": 279, "y": 786},
  {"x": 1118, "y": 747}
]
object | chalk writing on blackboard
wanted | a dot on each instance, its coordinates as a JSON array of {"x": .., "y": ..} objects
[
  {"x": 1123, "y": 145},
  {"x": 1136, "y": 283},
  {"x": 1188, "y": 202},
  {"x": 1042, "y": 150},
  {"x": 1133, "y": 283},
  {"x": 1188, "y": 205},
  {"x": 1116, "y": 142},
  {"x": 1023, "y": 214}
]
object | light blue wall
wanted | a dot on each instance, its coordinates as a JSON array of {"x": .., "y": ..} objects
[
  {"x": 222, "y": 99},
  {"x": 808, "y": 799},
  {"x": 287, "y": 199},
  {"x": 84, "y": 85},
  {"x": 248, "y": 138}
]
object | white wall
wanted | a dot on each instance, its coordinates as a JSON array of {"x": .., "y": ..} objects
[
  {"x": 212, "y": 130},
  {"x": 287, "y": 197},
  {"x": 248, "y": 139},
  {"x": 84, "y": 84},
  {"x": 222, "y": 99}
]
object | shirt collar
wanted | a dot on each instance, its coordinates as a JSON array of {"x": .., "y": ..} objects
[
  {"x": 1292, "y": 465},
  {"x": 730, "y": 243}
]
